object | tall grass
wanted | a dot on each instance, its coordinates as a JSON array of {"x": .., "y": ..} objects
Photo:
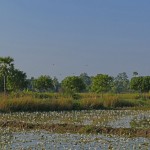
[
  {"x": 28, "y": 103},
  {"x": 54, "y": 101}
]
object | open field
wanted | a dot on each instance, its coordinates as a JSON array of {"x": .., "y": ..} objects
[
  {"x": 86, "y": 129},
  {"x": 82, "y": 121}
]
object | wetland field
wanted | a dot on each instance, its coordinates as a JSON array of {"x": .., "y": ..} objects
[
  {"x": 85, "y": 129},
  {"x": 49, "y": 121}
]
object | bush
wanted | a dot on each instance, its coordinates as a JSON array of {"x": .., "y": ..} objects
[
  {"x": 91, "y": 104},
  {"x": 124, "y": 103}
]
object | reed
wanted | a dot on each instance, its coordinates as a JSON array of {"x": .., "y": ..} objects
[{"x": 31, "y": 101}]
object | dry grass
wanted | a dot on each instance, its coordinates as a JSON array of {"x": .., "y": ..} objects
[
  {"x": 28, "y": 103},
  {"x": 55, "y": 101},
  {"x": 91, "y": 103}
]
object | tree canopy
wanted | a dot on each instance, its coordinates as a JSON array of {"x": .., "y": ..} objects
[
  {"x": 16, "y": 80},
  {"x": 87, "y": 80},
  {"x": 121, "y": 83},
  {"x": 43, "y": 83},
  {"x": 12, "y": 79},
  {"x": 6, "y": 64},
  {"x": 141, "y": 84},
  {"x": 73, "y": 84},
  {"x": 101, "y": 83}
]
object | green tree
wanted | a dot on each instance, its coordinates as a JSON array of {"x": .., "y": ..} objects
[
  {"x": 87, "y": 80},
  {"x": 141, "y": 84},
  {"x": 73, "y": 84},
  {"x": 121, "y": 83},
  {"x": 135, "y": 74},
  {"x": 101, "y": 83},
  {"x": 30, "y": 85},
  {"x": 146, "y": 84},
  {"x": 43, "y": 83},
  {"x": 56, "y": 84},
  {"x": 6, "y": 64},
  {"x": 136, "y": 83},
  {"x": 16, "y": 80}
]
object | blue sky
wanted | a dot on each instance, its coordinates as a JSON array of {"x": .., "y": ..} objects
[{"x": 66, "y": 37}]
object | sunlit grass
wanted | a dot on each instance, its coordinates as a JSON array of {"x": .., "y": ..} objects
[{"x": 31, "y": 101}]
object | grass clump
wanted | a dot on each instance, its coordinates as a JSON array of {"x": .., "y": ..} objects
[
  {"x": 91, "y": 104},
  {"x": 33, "y": 104},
  {"x": 32, "y": 101}
]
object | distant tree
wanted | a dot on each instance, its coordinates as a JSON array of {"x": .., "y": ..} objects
[
  {"x": 30, "y": 85},
  {"x": 73, "y": 84},
  {"x": 101, "y": 83},
  {"x": 136, "y": 83},
  {"x": 140, "y": 84},
  {"x": 86, "y": 79},
  {"x": 6, "y": 64},
  {"x": 43, "y": 83},
  {"x": 56, "y": 84},
  {"x": 146, "y": 84},
  {"x": 135, "y": 74},
  {"x": 121, "y": 83},
  {"x": 16, "y": 80}
]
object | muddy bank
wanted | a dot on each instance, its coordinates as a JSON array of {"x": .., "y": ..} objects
[{"x": 70, "y": 128}]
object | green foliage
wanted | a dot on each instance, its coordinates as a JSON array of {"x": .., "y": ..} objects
[
  {"x": 10, "y": 78},
  {"x": 101, "y": 83},
  {"x": 56, "y": 84},
  {"x": 43, "y": 83},
  {"x": 6, "y": 64},
  {"x": 136, "y": 83},
  {"x": 32, "y": 101},
  {"x": 121, "y": 83},
  {"x": 91, "y": 104},
  {"x": 87, "y": 80},
  {"x": 135, "y": 74},
  {"x": 141, "y": 84},
  {"x": 30, "y": 85},
  {"x": 16, "y": 80},
  {"x": 72, "y": 84}
]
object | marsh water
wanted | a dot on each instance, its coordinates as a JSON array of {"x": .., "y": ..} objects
[
  {"x": 44, "y": 140},
  {"x": 41, "y": 140}
]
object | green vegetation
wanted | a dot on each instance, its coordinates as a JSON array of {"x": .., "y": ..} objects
[
  {"x": 16, "y": 80},
  {"x": 141, "y": 84},
  {"x": 101, "y": 83},
  {"x": 121, "y": 83},
  {"x": 6, "y": 66},
  {"x": 33, "y": 101},
  {"x": 73, "y": 84},
  {"x": 73, "y": 93},
  {"x": 145, "y": 123},
  {"x": 11, "y": 79},
  {"x": 43, "y": 83}
]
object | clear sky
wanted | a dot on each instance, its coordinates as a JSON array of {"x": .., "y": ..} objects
[{"x": 65, "y": 37}]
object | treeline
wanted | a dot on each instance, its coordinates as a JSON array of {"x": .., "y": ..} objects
[{"x": 12, "y": 79}]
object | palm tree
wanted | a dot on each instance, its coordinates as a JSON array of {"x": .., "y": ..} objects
[{"x": 6, "y": 64}]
